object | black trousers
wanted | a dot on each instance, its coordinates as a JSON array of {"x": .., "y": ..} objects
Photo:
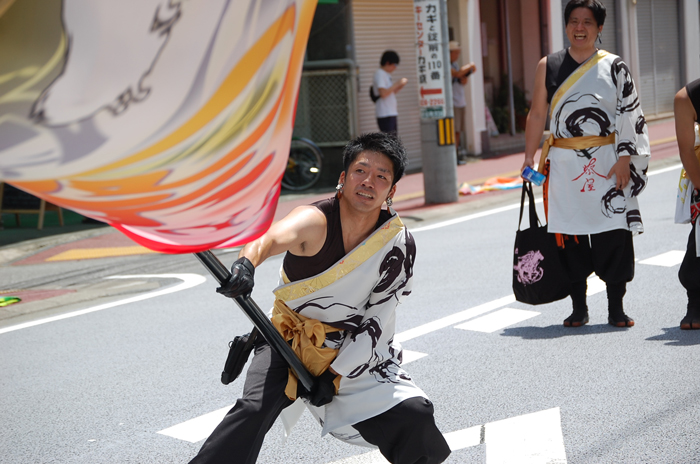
[
  {"x": 405, "y": 434},
  {"x": 390, "y": 124},
  {"x": 609, "y": 254},
  {"x": 689, "y": 272}
]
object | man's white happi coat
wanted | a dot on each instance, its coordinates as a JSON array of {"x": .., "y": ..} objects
[
  {"x": 598, "y": 99},
  {"x": 359, "y": 294}
]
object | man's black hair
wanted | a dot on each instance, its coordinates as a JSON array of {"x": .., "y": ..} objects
[
  {"x": 378, "y": 142},
  {"x": 596, "y": 7},
  {"x": 389, "y": 57}
]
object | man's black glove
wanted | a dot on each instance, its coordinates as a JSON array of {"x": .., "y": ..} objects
[
  {"x": 241, "y": 281},
  {"x": 322, "y": 391}
]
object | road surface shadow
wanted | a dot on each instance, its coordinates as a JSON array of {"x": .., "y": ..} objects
[
  {"x": 559, "y": 331},
  {"x": 677, "y": 337}
]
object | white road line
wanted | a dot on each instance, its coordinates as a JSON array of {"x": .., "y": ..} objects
[
  {"x": 464, "y": 438},
  {"x": 595, "y": 285},
  {"x": 667, "y": 169},
  {"x": 410, "y": 356},
  {"x": 529, "y": 439},
  {"x": 453, "y": 319},
  {"x": 198, "y": 428},
  {"x": 497, "y": 320},
  {"x": 668, "y": 259},
  {"x": 470, "y": 217},
  {"x": 534, "y": 438},
  {"x": 188, "y": 281}
]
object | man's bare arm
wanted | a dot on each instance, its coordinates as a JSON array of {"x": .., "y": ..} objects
[
  {"x": 537, "y": 116},
  {"x": 684, "y": 113},
  {"x": 398, "y": 85},
  {"x": 302, "y": 232}
]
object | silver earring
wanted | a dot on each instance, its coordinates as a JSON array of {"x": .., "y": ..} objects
[
  {"x": 389, "y": 201},
  {"x": 339, "y": 187},
  {"x": 600, "y": 39}
]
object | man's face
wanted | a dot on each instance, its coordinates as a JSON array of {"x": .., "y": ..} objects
[
  {"x": 582, "y": 28},
  {"x": 368, "y": 181},
  {"x": 454, "y": 54}
]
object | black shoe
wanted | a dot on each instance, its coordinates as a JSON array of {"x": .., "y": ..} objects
[
  {"x": 691, "y": 321},
  {"x": 620, "y": 320},
  {"x": 576, "y": 320}
]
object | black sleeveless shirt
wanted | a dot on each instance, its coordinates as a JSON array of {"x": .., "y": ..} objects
[
  {"x": 693, "y": 90},
  {"x": 560, "y": 65},
  {"x": 302, "y": 267}
]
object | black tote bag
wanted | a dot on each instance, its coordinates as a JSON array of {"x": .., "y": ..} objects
[{"x": 538, "y": 274}]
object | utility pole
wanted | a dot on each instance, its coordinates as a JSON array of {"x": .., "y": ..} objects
[{"x": 437, "y": 113}]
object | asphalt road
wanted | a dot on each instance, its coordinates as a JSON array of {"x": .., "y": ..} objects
[{"x": 98, "y": 386}]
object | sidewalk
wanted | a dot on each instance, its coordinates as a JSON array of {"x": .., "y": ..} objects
[{"x": 87, "y": 241}]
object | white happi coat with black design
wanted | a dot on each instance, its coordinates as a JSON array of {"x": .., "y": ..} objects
[
  {"x": 359, "y": 294},
  {"x": 598, "y": 99}
]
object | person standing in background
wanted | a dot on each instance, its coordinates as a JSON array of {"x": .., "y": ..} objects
[
  {"x": 386, "y": 106},
  {"x": 595, "y": 159},
  {"x": 686, "y": 108},
  {"x": 460, "y": 76}
]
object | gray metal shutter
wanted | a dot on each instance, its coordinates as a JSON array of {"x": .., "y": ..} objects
[
  {"x": 609, "y": 36},
  {"x": 388, "y": 25},
  {"x": 659, "y": 54}
]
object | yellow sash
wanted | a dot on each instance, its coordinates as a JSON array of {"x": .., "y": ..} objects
[
  {"x": 306, "y": 336},
  {"x": 573, "y": 143}
]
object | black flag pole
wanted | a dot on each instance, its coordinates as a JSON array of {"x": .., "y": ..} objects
[{"x": 259, "y": 319}]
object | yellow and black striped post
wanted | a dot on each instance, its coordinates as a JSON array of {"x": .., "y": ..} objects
[{"x": 446, "y": 131}]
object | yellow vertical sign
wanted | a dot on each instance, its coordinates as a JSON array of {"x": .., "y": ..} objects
[{"x": 446, "y": 131}]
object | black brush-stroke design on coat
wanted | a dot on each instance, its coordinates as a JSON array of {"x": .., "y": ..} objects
[
  {"x": 637, "y": 180},
  {"x": 390, "y": 270},
  {"x": 587, "y": 113},
  {"x": 613, "y": 202},
  {"x": 389, "y": 372},
  {"x": 621, "y": 73},
  {"x": 371, "y": 328},
  {"x": 353, "y": 318},
  {"x": 640, "y": 125},
  {"x": 633, "y": 216},
  {"x": 619, "y": 70},
  {"x": 626, "y": 147}
]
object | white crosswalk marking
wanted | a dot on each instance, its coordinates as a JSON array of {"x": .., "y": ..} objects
[
  {"x": 668, "y": 259},
  {"x": 456, "y": 440},
  {"x": 529, "y": 439},
  {"x": 595, "y": 285},
  {"x": 497, "y": 320},
  {"x": 410, "y": 356},
  {"x": 453, "y": 319},
  {"x": 534, "y": 438},
  {"x": 198, "y": 428}
]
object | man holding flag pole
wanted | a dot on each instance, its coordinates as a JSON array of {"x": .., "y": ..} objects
[{"x": 348, "y": 264}]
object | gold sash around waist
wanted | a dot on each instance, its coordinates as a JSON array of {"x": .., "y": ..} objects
[
  {"x": 306, "y": 336},
  {"x": 573, "y": 143}
]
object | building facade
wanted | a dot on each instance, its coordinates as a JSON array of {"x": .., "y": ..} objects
[{"x": 658, "y": 39}]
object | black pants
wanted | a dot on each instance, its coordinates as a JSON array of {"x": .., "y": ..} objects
[
  {"x": 609, "y": 254},
  {"x": 689, "y": 272},
  {"x": 405, "y": 434},
  {"x": 390, "y": 124}
]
